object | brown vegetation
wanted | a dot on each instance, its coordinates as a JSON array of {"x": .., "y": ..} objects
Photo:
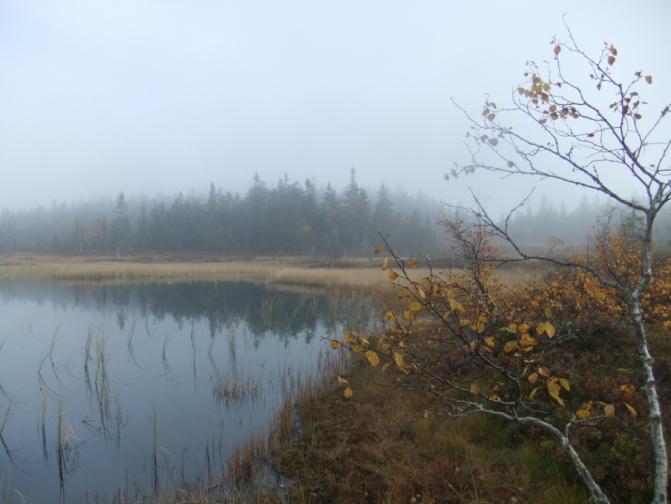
[{"x": 361, "y": 274}]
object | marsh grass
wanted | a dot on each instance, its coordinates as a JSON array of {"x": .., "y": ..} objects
[
  {"x": 378, "y": 446},
  {"x": 235, "y": 387},
  {"x": 7, "y": 490},
  {"x": 154, "y": 453},
  {"x": 67, "y": 447},
  {"x": 43, "y": 424},
  {"x": 276, "y": 271},
  {"x": 355, "y": 275},
  {"x": 103, "y": 396},
  {"x": 3, "y": 392},
  {"x": 3, "y": 442}
]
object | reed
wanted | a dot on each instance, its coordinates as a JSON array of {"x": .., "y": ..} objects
[
  {"x": 286, "y": 271},
  {"x": 130, "y": 345},
  {"x": 6, "y": 485},
  {"x": 67, "y": 448},
  {"x": 235, "y": 388},
  {"x": 87, "y": 357},
  {"x": 43, "y": 424},
  {"x": 192, "y": 337},
  {"x": 3, "y": 392},
  {"x": 3, "y": 442},
  {"x": 154, "y": 453}
]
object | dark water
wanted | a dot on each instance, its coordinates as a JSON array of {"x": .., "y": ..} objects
[{"x": 112, "y": 386}]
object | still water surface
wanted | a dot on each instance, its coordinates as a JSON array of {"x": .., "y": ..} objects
[{"x": 105, "y": 387}]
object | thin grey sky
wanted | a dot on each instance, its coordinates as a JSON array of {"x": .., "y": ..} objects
[{"x": 152, "y": 96}]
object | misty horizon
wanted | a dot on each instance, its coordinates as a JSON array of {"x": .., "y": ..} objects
[{"x": 160, "y": 97}]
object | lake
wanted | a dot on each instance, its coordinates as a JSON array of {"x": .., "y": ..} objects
[{"x": 107, "y": 388}]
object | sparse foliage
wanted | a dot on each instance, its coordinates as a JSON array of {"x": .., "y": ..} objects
[{"x": 511, "y": 352}]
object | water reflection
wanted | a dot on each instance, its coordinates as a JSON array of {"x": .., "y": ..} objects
[{"x": 107, "y": 388}]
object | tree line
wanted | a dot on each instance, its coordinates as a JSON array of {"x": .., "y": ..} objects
[{"x": 287, "y": 218}]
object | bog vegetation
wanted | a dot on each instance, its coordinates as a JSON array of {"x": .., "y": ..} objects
[{"x": 575, "y": 356}]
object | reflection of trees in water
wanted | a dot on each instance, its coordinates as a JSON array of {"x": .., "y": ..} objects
[{"x": 223, "y": 304}]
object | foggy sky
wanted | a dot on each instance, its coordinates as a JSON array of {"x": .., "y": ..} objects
[{"x": 158, "y": 96}]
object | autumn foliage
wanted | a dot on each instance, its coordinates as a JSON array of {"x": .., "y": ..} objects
[{"x": 481, "y": 345}]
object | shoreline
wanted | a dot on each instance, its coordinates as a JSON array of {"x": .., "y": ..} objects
[{"x": 358, "y": 274}]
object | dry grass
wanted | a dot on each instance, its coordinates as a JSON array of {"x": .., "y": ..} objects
[
  {"x": 378, "y": 446},
  {"x": 285, "y": 271},
  {"x": 357, "y": 274}
]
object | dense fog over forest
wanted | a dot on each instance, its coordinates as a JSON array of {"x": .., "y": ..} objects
[
  {"x": 286, "y": 218},
  {"x": 166, "y": 96}
]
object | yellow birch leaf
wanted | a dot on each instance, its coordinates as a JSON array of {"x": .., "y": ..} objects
[
  {"x": 631, "y": 409},
  {"x": 481, "y": 324},
  {"x": 628, "y": 389},
  {"x": 583, "y": 413},
  {"x": 348, "y": 392},
  {"x": 389, "y": 315},
  {"x": 415, "y": 306},
  {"x": 379, "y": 248},
  {"x": 550, "y": 330},
  {"x": 399, "y": 359},
  {"x": 457, "y": 306},
  {"x": 510, "y": 346},
  {"x": 547, "y": 328},
  {"x": 490, "y": 341},
  {"x": 372, "y": 358},
  {"x": 474, "y": 388},
  {"x": 533, "y": 378},
  {"x": 511, "y": 328},
  {"x": 392, "y": 275},
  {"x": 609, "y": 410},
  {"x": 335, "y": 344},
  {"x": 565, "y": 384},
  {"x": 553, "y": 390},
  {"x": 527, "y": 342}
]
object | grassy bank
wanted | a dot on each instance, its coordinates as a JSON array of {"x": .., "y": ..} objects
[
  {"x": 380, "y": 446},
  {"x": 288, "y": 271},
  {"x": 360, "y": 274}
]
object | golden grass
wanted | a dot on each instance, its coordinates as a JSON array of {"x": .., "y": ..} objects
[
  {"x": 260, "y": 270},
  {"x": 356, "y": 274}
]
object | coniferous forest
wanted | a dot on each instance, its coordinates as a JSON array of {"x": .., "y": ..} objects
[{"x": 288, "y": 218}]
